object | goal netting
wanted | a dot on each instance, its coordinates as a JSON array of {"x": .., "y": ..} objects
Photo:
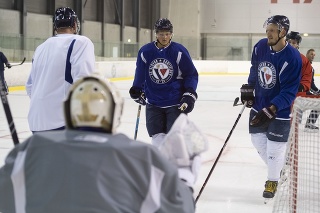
[{"x": 299, "y": 186}]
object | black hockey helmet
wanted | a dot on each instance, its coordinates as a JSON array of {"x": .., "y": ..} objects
[
  {"x": 295, "y": 36},
  {"x": 65, "y": 17},
  {"x": 163, "y": 24},
  {"x": 280, "y": 20}
]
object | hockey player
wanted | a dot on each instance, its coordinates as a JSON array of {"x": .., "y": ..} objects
[
  {"x": 294, "y": 39},
  {"x": 165, "y": 81},
  {"x": 90, "y": 168},
  {"x": 4, "y": 60},
  {"x": 56, "y": 64},
  {"x": 272, "y": 86},
  {"x": 314, "y": 114}
]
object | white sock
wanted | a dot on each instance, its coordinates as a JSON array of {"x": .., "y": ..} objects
[{"x": 157, "y": 139}]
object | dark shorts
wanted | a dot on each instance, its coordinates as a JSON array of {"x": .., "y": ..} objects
[
  {"x": 278, "y": 130},
  {"x": 160, "y": 120}
]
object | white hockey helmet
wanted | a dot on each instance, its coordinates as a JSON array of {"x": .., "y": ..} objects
[{"x": 93, "y": 104}]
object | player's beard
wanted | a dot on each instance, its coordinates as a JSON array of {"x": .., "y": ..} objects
[{"x": 272, "y": 42}]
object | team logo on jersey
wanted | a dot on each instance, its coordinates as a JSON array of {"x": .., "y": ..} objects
[
  {"x": 160, "y": 71},
  {"x": 266, "y": 75}
]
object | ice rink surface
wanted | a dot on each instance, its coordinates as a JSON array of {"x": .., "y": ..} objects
[{"x": 237, "y": 182}]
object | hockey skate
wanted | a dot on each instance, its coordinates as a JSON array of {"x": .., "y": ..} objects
[
  {"x": 270, "y": 190},
  {"x": 311, "y": 128}
]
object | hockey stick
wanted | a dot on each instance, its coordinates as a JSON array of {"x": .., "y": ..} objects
[
  {"x": 24, "y": 59},
  {"x": 224, "y": 145},
  {"x": 7, "y": 111},
  {"x": 137, "y": 122}
]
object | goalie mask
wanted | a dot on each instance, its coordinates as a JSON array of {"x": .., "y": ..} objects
[
  {"x": 65, "y": 17},
  {"x": 93, "y": 104}
]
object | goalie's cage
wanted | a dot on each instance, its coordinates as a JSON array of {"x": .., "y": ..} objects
[{"x": 299, "y": 186}]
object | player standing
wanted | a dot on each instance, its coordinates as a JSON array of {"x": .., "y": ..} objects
[
  {"x": 4, "y": 60},
  {"x": 56, "y": 64},
  {"x": 314, "y": 114},
  {"x": 272, "y": 86},
  {"x": 90, "y": 168},
  {"x": 165, "y": 81},
  {"x": 294, "y": 39}
]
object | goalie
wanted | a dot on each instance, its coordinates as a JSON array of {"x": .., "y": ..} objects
[{"x": 89, "y": 168}]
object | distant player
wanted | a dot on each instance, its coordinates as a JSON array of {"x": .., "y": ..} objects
[
  {"x": 314, "y": 114},
  {"x": 4, "y": 61},
  {"x": 165, "y": 81},
  {"x": 272, "y": 86},
  {"x": 90, "y": 168},
  {"x": 56, "y": 64},
  {"x": 294, "y": 39}
]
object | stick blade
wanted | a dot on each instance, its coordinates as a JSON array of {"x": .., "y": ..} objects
[
  {"x": 235, "y": 103},
  {"x": 24, "y": 59}
]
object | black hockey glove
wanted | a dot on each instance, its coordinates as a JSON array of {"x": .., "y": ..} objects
[
  {"x": 247, "y": 95},
  {"x": 263, "y": 118},
  {"x": 137, "y": 95},
  {"x": 187, "y": 101},
  {"x": 8, "y": 65},
  {"x": 301, "y": 88}
]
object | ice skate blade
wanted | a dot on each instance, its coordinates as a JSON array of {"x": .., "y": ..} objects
[
  {"x": 311, "y": 130},
  {"x": 267, "y": 200}
]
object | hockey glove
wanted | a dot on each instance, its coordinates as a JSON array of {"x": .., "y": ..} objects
[
  {"x": 8, "y": 65},
  {"x": 263, "y": 118},
  {"x": 137, "y": 95},
  {"x": 247, "y": 95},
  {"x": 301, "y": 88},
  {"x": 187, "y": 101}
]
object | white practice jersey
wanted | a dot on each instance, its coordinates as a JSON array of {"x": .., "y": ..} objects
[{"x": 56, "y": 64}]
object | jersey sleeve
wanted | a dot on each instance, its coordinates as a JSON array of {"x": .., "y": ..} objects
[
  {"x": 29, "y": 85},
  {"x": 254, "y": 67},
  {"x": 140, "y": 72},
  {"x": 188, "y": 71},
  {"x": 82, "y": 58},
  {"x": 306, "y": 73}
]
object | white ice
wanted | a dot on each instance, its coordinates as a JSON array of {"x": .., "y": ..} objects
[{"x": 237, "y": 182}]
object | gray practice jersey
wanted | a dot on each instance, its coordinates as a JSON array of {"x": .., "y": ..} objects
[{"x": 77, "y": 171}]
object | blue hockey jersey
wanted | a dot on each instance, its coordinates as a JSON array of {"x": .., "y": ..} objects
[
  {"x": 164, "y": 74},
  {"x": 275, "y": 77}
]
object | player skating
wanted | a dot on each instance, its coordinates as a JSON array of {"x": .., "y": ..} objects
[
  {"x": 272, "y": 86},
  {"x": 56, "y": 64},
  {"x": 90, "y": 168},
  {"x": 165, "y": 81}
]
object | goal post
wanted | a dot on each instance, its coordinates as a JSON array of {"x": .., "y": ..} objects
[{"x": 299, "y": 186}]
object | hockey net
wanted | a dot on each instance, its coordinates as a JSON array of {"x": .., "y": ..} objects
[{"x": 299, "y": 186}]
